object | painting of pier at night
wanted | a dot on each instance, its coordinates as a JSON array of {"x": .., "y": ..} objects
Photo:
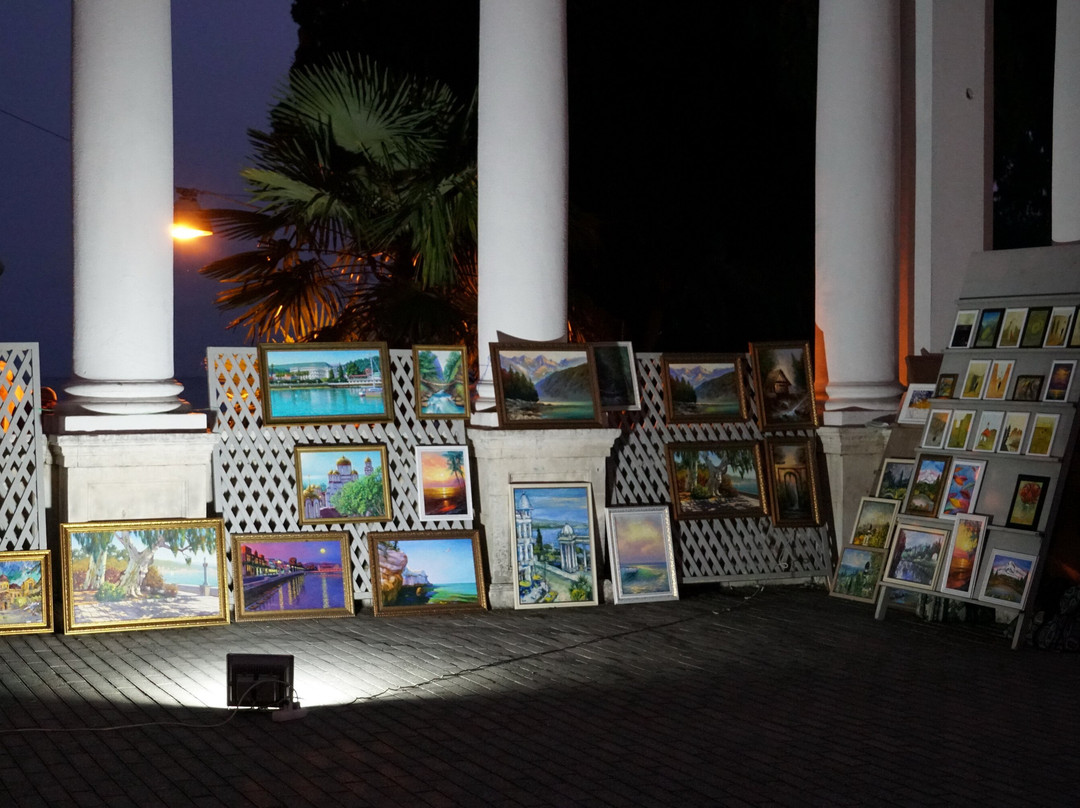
[
  {"x": 292, "y": 575},
  {"x": 443, "y": 482}
]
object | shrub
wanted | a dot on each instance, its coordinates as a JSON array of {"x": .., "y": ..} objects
[{"x": 108, "y": 593}]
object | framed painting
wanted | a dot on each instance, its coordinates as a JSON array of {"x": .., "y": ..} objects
[
  {"x": 1057, "y": 329},
  {"x": 290, "y": 575},
  {"x": 642, "y": 554},
  {"x": 986, "y": 332},
  {"x": 874, "y": 521},
  {"x": 554, "y": 544},
  {"x": 426, "y": 572},
  {"x": 1028, "y": 387},
  {"x": 441, "y": 379},
  {"x": 703, "y": 388},
  {"x": 1059, "y": 381},
  {"x": 721, "y": 480},
  {"x": 917, "y": 552},
  {"x": 1012, "y": 326},
  {"x": 793, "y": 487},
  {"x": 963, "y": 328},
  {"x": 937, "y": 424},
  {"x": 962, "y": 486},
  {"x": 784, "y": 385},
  {"x": 997, "y": 381},
  {"x": 975, "y": 378},
  {"x": 443, "y": 483},
  {"x": 858, "y": 573},
  {"x": 332, "y": 382},
  {"x": 962, "y": 555},
  {"x": 895, "y": 478},
  {"x": 915, "y": 405},
  {"x": 616, "y": 376},
  {"x": 1027, "y": 502},
  {"x": 946, "y": 385},
  {"x": 339, "y": 484},
  {"x": 26, "y": 602},
  {"x": 1008, "y": 578},
  {"x": 1074, "y": 337},
  {"x": 959, "y": 429},
  {"x": 988, "y": 431},
  {"x": 1041, "y": 439},
  {"x": 927, "y": 484},
  {"x": 539, "y": 386},
  {"x": 1013, "y": 429},
  {"x": 1035, "y": 327},
  {"x": 133, "y": 575}
]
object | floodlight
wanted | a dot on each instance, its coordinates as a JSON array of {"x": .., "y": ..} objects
[{"x": 259, "y": 680}]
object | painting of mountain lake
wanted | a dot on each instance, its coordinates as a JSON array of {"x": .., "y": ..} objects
[
  {"x": 443, "y": 483},
  {"x": 554, "y": 546},
  {"x": 26, "y": 604},
  {"x": 147, "y": 574},
  {"x": 916, "y": 554},
  {"x": 716, "y": 480},
  {"x": 442, "y": 381},
  {"x": 642, "y": 554},
  {"x": 426, "y": 572},
  {"x": 337, "y": 484},
  {"x": 701, "y": 388},
  {"x": 306, "y": 383},
  {"x": 288, "y": 575},
  {"x": 544, "y": 386},
  {"x": 858, "y": 573}
]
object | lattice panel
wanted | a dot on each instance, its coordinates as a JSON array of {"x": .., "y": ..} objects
[
  {"x": 255, "y": 487},
  {"x": 712, "y": 549},
  {"x": 22, "y": 450}
]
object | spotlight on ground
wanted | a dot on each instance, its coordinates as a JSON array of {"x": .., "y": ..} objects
[{"x": 261, "y": 680}]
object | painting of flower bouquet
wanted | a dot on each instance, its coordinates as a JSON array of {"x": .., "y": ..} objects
[{"x": 1027, "y": 502}]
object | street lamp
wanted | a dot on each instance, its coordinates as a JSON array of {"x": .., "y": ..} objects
[{"x": 189, "y": 220}]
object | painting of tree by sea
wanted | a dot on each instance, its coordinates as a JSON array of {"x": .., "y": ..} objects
[
  {"x": 858, "y": 573},
  {"x": 150, "y": 574},
  {"x": 443, "y": 483},
  {"x": 25, "y": 592},
  {"x": 642, "y": 554},
  {"x": 704, "y": 388},
  {"x": 434, "y": 571},
  {"x": 292, "y": 575},
  {"x": 339, "y": 484},
  {"x": 442, "y": 381},
  {"x": 547, "y": 387},
  {"x": 716, "y": 480}
]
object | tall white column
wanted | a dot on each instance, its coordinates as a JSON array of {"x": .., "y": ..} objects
[
  {"x": 1065, "y": 194},
  {"x": 522, "y": 165},
  {"x": 123, "y": 205},
  {"x": 856, "y": 205}
]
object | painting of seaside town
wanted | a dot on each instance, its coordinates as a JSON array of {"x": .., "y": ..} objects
[
  {"x": 149, "y": 574},
  {"x": 705, "y": 388},
  {"x": 292, "y": 575},
  {"x": 716, "y": 480},
  {"x": 642, "y": 555},
  {"x": 338, "y": 484},
  {"x": 545, "y": 387},
  {"x": 305, "y": 383},
  {"x": 554, "y": 546},
  {"x": 433, "y": 571},
  {"x": 442, "y": 381},
  {"x": 25, "y": 596},
  {"x": 443, "y": 483}
]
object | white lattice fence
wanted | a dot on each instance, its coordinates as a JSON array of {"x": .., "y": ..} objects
[
  {"x": 711, "y": 549},
  {"x": 255, "y": 487},
  {"x": 22, "y": 450}
]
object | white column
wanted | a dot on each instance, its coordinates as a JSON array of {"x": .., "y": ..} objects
[
  {"x": 522, "y": 166},
  {"x": 856, "y": 205},
  {"x": 123, "y": 203},
  {"x": 1065, "y": 194}
]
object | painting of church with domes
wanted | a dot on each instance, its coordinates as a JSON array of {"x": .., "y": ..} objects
[{"x": 338, "y": 484}]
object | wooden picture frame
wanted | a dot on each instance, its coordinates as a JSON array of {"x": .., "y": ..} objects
[
  {"x": 962, "y": 485},
  {"x": 858, "y": 573},
  {"x": 541, "y": 386},
  {"x": 1007, "y": 578},
  {"x": 986, "y": 332},
  {"x": 26, "y": 599},
  {"x": 895, "y": 478},
  {"x": 946, "y": 385},
  {"x": 717, "y": 480},
  {"x": 642, "y": 554},
  {"x": 784, "y": 385},
  {"x": 987, "y": 436},
  {"x": 927, "y": 485},
  {"x": 339, "y": 484},
  {"x": 936, "y": 429},
  {"x": 975, "y": 378},
  {"x": 143, "y": 574},
  {"x": 1013, "y": 430},
  {"x": 793, "y": 485},
  {"x": 962, "y": 555},
  {"x": 554, "y": 544},
  {"x": 1035, "y": 326},
  {"x": 915, "y": 405},
  {"x": 959, "y": 431},
  {"x": 997, "y": 380},
  {"x": 704, "y": 388},
  {"x": 1027, "y": 502},
  {"x": 443, "y": 483},
  {"x": 426, "y": 572},
  {"x": 616, "y": 376},
  {"x": 441, "y": 381},
  {"x": 874, "y": 521},
  {"x": 1040, "y": 442},
  {"x": 916, "y": 554},
  {"x": 278, "y": 576},
  {"x": 1012, "y": 327},
  {"x": 325, "y": 382},
  {"x": 963, "y": 328},
  {"x": 1028, "y": 387},
  {"x": 1059, "y": 327},
  {"x": 1074, "y": 337},
  {"x": 1059, "y": 380}
]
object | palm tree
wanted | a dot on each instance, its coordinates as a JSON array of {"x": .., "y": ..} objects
[{"x": 365, "y": 212}]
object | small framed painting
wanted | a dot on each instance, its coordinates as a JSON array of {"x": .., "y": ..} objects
[
  {"x": 915, "y": 406},
  {"x": 975, "y": 378},
  {"x": 539, "y": 386},
  {"x": 946, "y": 385},
  {"x": 858, "y": 573},
  {"x": 1074, "y": 338},
  {"x": 986, "y": 332},
  {"x": 616, "y": 376},
  {"x": 700, "y": 388},
  {"x": 1008, "y": 578},
  {"x": 927, "y": 484},
  {"x": 962, "y": 555},
  {"x": 895, "y": 478},
  {"x": 288, "y": 575},
  {"x": 988, "y": 431},
  {"x": 962, "y": 486},
  {"x": 339, "y": 484},
  {"x": 443, "y": 483},
  {"x": 1057, "y": 330},
  {"x": 1028, "y": 387},
  {"x": 1013, "y": 429},
  {"x": 1012, "y": 326},
  {"x": 1041, "y": 439},
  {"x": 427, "y": 572},
  {"x": 959, "y": 429},
  {"x": 873, "y": 523},
  {"x": 937, "y": 423},
  {"x": 1035, "y": 327},
  {"x": 997, "y": 381},
  {"x": 784, "y": 385},
  {"x": 917, "y": 552},
  {"x": 793, "y": 496},
  {"x": 332, "y": 382},
  {"x": 26, "y": 602},
  {"x": 964, "y": 328},
  {"x": 721, "y": 480},
  {"x": 1059, "y": 381},
  {"x": 441, "y": 378},
  {"x": 642, "y": 554},
  {"x": 1027, "y": 502}
]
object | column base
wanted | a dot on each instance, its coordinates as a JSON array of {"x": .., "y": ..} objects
[
  {"x": 125, "y": 397},
  {"x": 852, "y": 456}
]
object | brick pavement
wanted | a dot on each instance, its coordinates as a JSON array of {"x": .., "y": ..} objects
[{"x": 785, "y": 698}]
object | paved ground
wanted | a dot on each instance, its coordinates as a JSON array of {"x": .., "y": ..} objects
[{"x": 787, "y": 697}]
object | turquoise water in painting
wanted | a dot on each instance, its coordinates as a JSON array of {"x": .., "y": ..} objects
[
  {"x": 454, "y": 593},
  {"x": 324, "y": 401},
  {"x": 639, "y": 579}
]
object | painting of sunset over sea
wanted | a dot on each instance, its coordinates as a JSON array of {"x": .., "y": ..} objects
[
  {"x": 642, "y": 556},
  {"x": 443, "y": 483}
]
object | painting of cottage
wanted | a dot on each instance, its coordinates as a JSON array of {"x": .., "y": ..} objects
[{"x": 784, "y": 385}]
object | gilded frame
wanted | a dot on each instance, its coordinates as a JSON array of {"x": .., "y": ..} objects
[
  {"x": 26, "y": 603},
  {"x": 315, "y": 499},
  {"x": 858, "y": 573},
  {"x": 793, "y": 484},
  {"x": 784, "y": 385},
  {"x": 745, "y": 499},
  {"x": 454, "y": 554},
  {"x": 428, "y": 383},
  {"x": 570, "y": 398}
]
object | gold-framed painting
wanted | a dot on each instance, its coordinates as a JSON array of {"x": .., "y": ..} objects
[
  {"x": 784, "y": 384},
  {"x": 793, "y": 485},
  {"x": 441, "y": 379},
  {"x": 716, "y": 480},
  {"x": 339, "y": 484},
  {"x": 539, "y": 386},
  {"x": 426, "y": 572},
  {"x": 26, "y": 602}
]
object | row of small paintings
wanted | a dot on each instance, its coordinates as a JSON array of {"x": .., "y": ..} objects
[
  {"x": 1035, "y": 327},
  {"x": 994, "y": 431},
  {"x": 990, "y": 379}
]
